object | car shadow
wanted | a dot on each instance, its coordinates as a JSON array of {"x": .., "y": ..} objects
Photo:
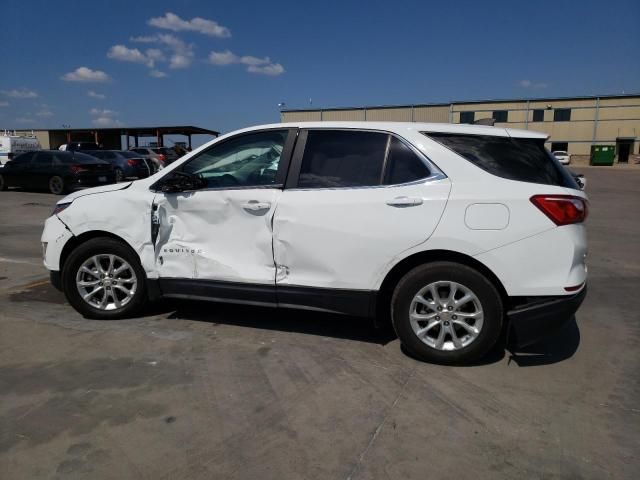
[
  {"x": 553, "y": 349},
  {"x": 285, "y": 320}
]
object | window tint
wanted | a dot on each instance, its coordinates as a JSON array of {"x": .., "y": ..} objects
[
  {"x": 467, "y": 117},
  {"x": 559, "y": 146},
  {"x": 562, "y": 115},
  {"x": 538, "y": 115},
  {"x": 43, "y": 158},
  {"x": 95, "y": 153},
  {"x": 522, "y": 159},
  {"x": 403, "y": 165},
  {"x": 129, "y": 154},
  {"x": 501, "y": 116},
  {"x": 335, "y": 158},
  {"x": 23, "y": 158},
  {"x": 74, "y": 158},
  {"x": 246, "y": 160}
]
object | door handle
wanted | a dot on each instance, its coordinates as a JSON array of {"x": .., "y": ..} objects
[
  {"x": 401, "y": 202},
  {"x": 256, "y": 206}
]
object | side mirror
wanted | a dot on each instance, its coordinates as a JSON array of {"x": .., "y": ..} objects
[{"x": 178, "y": 181}]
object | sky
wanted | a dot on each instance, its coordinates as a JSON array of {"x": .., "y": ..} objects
[{"x": 225, "y": 65}]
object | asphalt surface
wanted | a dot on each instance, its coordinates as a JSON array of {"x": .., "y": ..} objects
[{"x": 216, "y": 391}]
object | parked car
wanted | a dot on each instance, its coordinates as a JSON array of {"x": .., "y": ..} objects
[
  {"x": 159, "y": 159},
  {"x": 562, "y": 156},
  {"x": 452, "y": 231},
  {"x": 74, "y": 146},
  {"x": 57, "y": 171},
  {"x": 13, "y": 145},
  {"x": 170, "y": 154},
  {"x": 125, "y": 164}
]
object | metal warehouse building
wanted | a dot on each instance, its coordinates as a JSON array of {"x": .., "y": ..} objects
[{"x": 573, "y": 124}]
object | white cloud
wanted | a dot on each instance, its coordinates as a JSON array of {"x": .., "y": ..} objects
[
  {"x": 106, "y": 122},
  {"x": 180, "y": 53},
  {"x": 4, "y": 104},
  {"x": 85, "y": 74},
  {"x": 530, "y": 84},
  {"x": 223, "y": 58},
  {"x": 273, "y": 69},
  {"x": 97, "y": 95},
  {"x": 24, "y": 120},
  {"x": 104, "y": 117},
  {"x": 253, "y": 64},
  {"x": 173, "y": 22},
  {"x": 179, "y": 60},
  {"x": 44, "y": 112},
  {"x": 157, "y": 74},
  {"x": 155, "y": 54},
  {"x": 125, "y": 54},
  {"x": 19, "y": 93},
  {"x": 102, "y": 112}
]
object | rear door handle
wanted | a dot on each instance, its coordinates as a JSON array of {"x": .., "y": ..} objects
[
  {"x": 405, "y": 202},
  {"x": 254, "y": 206}
]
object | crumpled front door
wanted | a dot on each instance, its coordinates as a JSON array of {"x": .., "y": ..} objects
[{"x": 223, "y": 235}]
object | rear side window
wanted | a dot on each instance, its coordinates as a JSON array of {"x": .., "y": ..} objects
[
  {"x": 521, "y": 159},
  {"x": 403, "y": 165},
  {"x": 338, "y": 158}
]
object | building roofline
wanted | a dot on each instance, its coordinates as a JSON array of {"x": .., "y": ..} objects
[{"x": 463, "y": 102}]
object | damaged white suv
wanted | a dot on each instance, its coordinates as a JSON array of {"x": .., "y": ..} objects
[{"x": 453, "y": 231}]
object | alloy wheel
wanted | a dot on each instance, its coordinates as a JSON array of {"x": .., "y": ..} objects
[
  {"x": 106, "y": 282},
  {"x": 446, "y": 315}
]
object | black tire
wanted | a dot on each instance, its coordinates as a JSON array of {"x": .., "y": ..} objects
[
  {"x": 486, "y": 293},
  {"x": 57, "y": 185},
  {"x": 103, "y": 246},
  {"x": 119, "y": 175},
  {"x": 3, "y": 184}
]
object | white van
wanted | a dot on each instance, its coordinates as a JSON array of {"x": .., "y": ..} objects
[{"x": 13, "y": 145}]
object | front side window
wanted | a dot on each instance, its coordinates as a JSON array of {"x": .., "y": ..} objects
[
  {"x": 340, "y": 158},
  {"x": 247, "y": 160},
  {"x": 403, "y": 165}
]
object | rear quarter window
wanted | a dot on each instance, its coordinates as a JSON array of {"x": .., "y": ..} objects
[{"x": 520, "y": 159}]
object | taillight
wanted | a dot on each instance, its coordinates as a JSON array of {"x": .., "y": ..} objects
[
  {"x": 562, "y": 209},
  {"x": 132, "y": 162},
  {"x": 78, "y": 169}
]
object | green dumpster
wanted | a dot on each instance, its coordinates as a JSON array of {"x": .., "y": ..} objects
[{"x": 602, "y": 154}]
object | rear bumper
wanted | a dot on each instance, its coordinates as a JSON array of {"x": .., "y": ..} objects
[{"x": 533, "y": 321}]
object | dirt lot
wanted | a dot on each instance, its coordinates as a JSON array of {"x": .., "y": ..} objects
[{"x": 211, "y": 391}]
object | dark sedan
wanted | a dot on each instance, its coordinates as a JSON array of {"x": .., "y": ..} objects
[
  {"x": 126, "y": 164},
  {"x": 55, "y": 170}
]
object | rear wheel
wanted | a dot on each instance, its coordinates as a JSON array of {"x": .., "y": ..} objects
[
  {"x": 119, "y": 175},
  {"x": 56, "y": 185},
  {"x": 103, "y": 279},
  {"x": 447, "y": 313},
  {"x": 3, "y": 183}
]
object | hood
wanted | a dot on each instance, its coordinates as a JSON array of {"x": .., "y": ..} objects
[{"x": 91, "y": 191}]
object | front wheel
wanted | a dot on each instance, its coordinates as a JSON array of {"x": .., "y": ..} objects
[
  {"x": 103, "y": 279},
  {"x": 447, "y": 313}
]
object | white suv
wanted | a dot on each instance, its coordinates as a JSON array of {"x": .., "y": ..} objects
[{"x": 452, "y": 231}]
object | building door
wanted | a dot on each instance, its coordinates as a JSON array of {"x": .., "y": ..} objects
[{"x": 624, "y": 147}]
